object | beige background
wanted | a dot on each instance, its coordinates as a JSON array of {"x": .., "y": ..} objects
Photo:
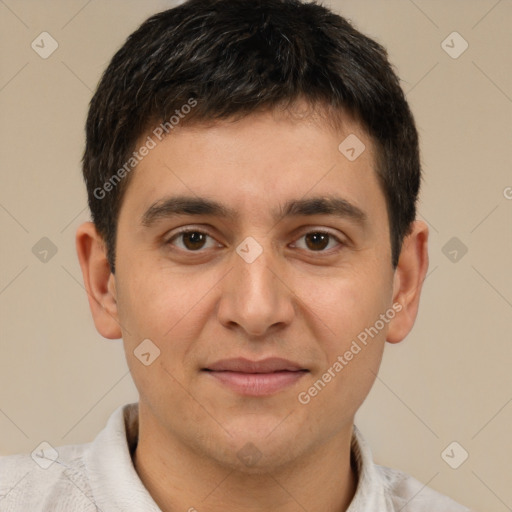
[{"x": 449, "y": 381}]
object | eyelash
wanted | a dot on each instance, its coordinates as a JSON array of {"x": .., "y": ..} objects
[{"x": 319, "y": 231}]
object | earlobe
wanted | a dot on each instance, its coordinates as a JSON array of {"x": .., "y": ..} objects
[
  {"x": 98, "y": 280},
  {"x": 408, "y": 281}
]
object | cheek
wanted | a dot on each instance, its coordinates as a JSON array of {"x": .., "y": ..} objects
[
  {"x": 347, "y": 312},
  {"x": 171, "y": 310},
  {"x": 155, "y": 302},
  {"x": 345, "y": 306},
  {"x": 163, "y": 309}
]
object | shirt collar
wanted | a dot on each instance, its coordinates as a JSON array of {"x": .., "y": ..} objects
[
  {"x": 371, "y": 492},
  {"x": 116, "y": 486}
]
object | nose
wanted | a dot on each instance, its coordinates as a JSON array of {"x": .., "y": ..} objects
[{"x": 256, "y": 296}]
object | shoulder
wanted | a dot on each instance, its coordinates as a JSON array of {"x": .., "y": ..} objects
[
  {"x": 48, "y": 479},
  {"x": 409, "y": 495}
]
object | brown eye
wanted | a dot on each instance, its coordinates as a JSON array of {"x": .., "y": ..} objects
[
  {"x": 191, "y": 240},
  {"x": 318, "y": 241}
]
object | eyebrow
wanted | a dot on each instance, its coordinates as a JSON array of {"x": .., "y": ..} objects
[{"x": 169, "y": 207}]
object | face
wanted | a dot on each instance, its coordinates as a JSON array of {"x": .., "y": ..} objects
[{"x": 286, "y": 256}]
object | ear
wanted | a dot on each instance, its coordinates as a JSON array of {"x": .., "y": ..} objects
[
  {"x": 99, "y": 281},
  {"x": 408, "y": 280}
]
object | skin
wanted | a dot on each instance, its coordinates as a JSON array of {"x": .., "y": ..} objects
[{"x": 301, "y": 299}]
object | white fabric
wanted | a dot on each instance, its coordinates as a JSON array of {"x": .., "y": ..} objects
[{"x": 100, "y": 476}]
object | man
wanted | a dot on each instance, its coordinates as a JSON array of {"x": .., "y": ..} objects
[{"x": 252, "y": 171}]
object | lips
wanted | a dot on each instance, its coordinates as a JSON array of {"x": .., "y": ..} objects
[
  {"x": 242, "y": 365},
  {"x": 256, "y": 378}
]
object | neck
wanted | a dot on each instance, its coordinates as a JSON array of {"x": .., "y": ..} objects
[{"x": 179, "y": 479}]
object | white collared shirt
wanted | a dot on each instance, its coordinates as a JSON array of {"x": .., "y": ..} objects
[{"x": 100, "y": 476}]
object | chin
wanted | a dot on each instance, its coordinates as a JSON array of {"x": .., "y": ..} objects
[{"x": 254, "y": 449}]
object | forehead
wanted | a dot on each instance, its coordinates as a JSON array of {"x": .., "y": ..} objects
[{"x": 258, "y": 162}]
